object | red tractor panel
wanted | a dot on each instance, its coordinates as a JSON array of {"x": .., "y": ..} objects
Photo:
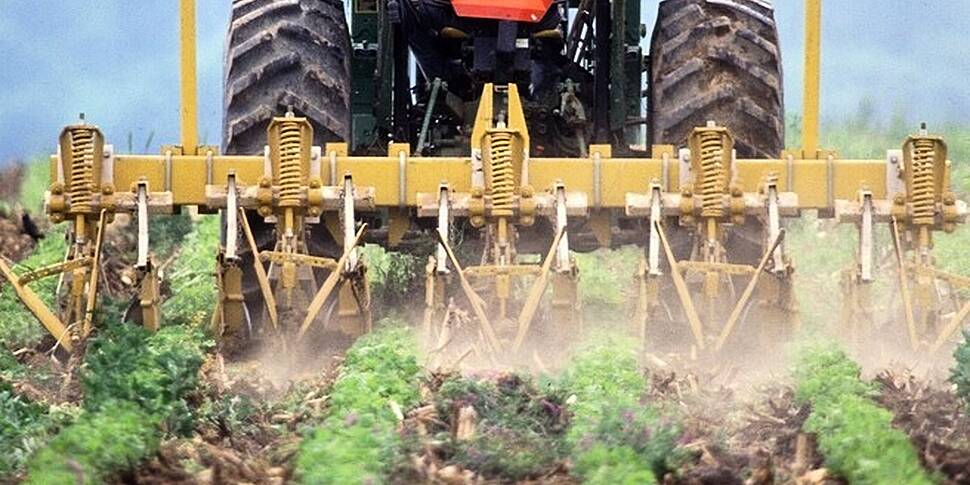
[{"x": 518, "y": 10}]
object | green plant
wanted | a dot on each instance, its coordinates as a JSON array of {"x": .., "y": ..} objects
[
  {"x": 155, "y": 371},
  {"x": 168, "y": 233},
  {"x": 854, "y": 434},
  {"x": 601, "y": 464},
  {"x": 23, "y": 426},
  {"x": 605, "y": 276},
  {"x": 824, "y": 372},
  {"x": 137, "y": 386},
  {"x": 96, "y": 446},
  {"x": 231, "y": 415},
  {"x": 859, "y": 443},
  {"x": 610, "y": 425},
  {"x": 960, "y": 376},
  {"x": 358, "y": 443},
  {"x": 392, "y": 276}
]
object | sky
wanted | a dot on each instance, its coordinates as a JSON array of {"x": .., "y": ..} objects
[{"x": 117, "y": 61}]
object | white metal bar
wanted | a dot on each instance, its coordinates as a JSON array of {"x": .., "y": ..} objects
[
  {"x": 142, "y": 226},
  {"x": 444, "y": 221},
  {"x": 774, "y": 228},
  {"x": 562, "y": 252},
  {"x": 349, "y": 222},
  {"x": 232, "y": 218},
  {"x": 653, "y": 245},
  {"x": 865, "y": 240}
]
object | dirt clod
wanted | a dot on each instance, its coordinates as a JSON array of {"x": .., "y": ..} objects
[{"x": 935, "y": 420}]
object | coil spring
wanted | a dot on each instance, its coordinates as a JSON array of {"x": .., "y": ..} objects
[
  {"x": 82, "y": 170},
  {"x": 502, "y": 174},
  {"x": 291, "y": 171},
  {"x": 924, "y": 190},
  {"x": 713, "y": 175}
]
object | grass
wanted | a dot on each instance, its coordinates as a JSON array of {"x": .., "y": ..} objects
[
  {"x": 35, "y": 181},
  {"x": 854, "y": 434},
  {"x": 358, "y": 442}
]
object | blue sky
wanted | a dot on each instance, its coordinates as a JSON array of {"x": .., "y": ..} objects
[{"x": 117, "y": 61}]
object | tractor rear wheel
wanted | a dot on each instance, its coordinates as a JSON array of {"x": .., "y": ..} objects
[
  {"x": 284, "y": 55},
  {"x": 718, "y": 60},
  {"x": 281, "y": 55}
]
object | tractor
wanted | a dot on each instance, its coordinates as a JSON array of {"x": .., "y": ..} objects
[{"x": 413, "y": 71}]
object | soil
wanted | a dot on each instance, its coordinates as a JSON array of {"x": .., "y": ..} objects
[
  {"x": 14, "y": 244},
  {"x": 10, "y": 179},
  {"x": 935, "y": 420},
  {"x": 257, "y": 449},
  {"x": 739, "y": 438}
]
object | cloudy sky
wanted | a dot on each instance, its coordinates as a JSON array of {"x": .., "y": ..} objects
[{"x": 116, "y": 60}]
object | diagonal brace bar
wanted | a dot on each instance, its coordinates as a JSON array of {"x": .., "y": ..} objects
[
  {"x": 38, "y": 308},
  {"x": 748, "y": 291},
  {"x": 535, "y": 293},
  {"x": 330, "y": 283},
  {"x": 682, "y": 291},
  {"x": 261, "y": 276},
  {"x": 473, "y": 299}
]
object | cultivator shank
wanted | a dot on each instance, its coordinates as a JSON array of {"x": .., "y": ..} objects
[
  {"x": 83, "y": 194},
  {"x": 922, "y": 204},
  {"x": 291, "y": 194},
  {"x": 711, "y": 202},
  {"x": 500, "y": 201}
]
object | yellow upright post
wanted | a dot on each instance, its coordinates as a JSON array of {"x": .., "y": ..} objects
[
  {"x": 189, "y": 111},
  {"x": 813, "y": 61}
]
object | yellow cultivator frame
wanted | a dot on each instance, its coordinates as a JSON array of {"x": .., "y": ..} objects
[{"x": 500, "y": 189}]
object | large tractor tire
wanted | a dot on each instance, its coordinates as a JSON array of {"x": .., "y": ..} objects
[
  {"x": 718, "y": 60},
  {"x": 284, "y": 55}
]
